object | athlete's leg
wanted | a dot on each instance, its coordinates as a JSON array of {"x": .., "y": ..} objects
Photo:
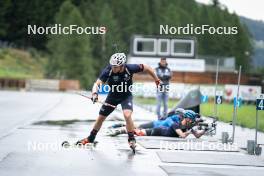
[
  {"x": 127, "y": 106},
  {"x": 165, "y": 101},
  {"x": 104, "y": 112},
  {"x": 98, "y": 124},
  {"x": 162, "y": 131},
  {"x": 99, "y": 121},
  {"x": 138, "y": 130},
  {"x": 141, "y": 126},
  {"x": 146, "y": 125},
  {"x": 155, "y": 132},
  {"x": 149, "y": 132},
  {"x": 129, "y": 122},
  {"x": 159, "y": 99}
]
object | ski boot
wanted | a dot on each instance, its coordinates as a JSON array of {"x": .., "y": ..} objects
[
  {"x": 85, "y": 142},
  {"x": 117, "y": 132}
]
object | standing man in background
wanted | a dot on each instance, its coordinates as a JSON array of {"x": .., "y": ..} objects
[{"x": 164, "y": 74}]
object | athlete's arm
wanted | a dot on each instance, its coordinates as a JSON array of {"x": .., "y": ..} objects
[
  {"x": 198, "y": 134},
  {"x": 95, "y": 90},
  {"x": 96, "y": 85},
  {"x": 182, "y": 134},
  {"x": 151, "y": 72}
]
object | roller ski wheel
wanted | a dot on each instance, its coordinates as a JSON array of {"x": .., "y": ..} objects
[{"x": 67, "y": 144}]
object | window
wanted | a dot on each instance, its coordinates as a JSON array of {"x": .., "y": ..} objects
[
  {"x": 182, "y": 48},
  {"x": 145, "y": 46},
  {"x": 163, "y": 46}
]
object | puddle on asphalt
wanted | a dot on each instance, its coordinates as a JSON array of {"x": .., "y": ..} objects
[{"x": 62, "y": 122}]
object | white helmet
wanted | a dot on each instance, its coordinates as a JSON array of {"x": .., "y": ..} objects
[{"x": 118, "y": 59}]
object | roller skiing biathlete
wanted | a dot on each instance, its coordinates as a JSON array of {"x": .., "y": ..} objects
[{"x": 117, "y": 74}]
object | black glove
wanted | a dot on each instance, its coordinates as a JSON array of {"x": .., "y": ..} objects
[{"x": 94, "y": 97}]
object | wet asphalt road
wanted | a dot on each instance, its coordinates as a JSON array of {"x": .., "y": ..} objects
[{"x": 28, "y": 149}]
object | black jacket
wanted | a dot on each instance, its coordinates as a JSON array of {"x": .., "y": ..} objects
[{"x": 164, "y": 74}]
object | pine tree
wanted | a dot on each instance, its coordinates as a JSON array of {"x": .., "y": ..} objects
[
  {"x": 112, "y": 36},
  {"x": 103, "y": 45},
  {"x": 242, "y": 48},
  {"x": 4, "y": 6},
  {"x": 18, "y": 14},
  {"x": 123, "y": 18},
  {"x": 70, "y": 54}
]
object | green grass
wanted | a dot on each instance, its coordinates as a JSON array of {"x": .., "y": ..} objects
[
  {"x": 246, "y": 116},
  {"x": 16, "y": 63}
]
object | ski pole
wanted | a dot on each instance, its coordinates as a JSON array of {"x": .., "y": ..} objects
[{"x": 98, "y": 101}]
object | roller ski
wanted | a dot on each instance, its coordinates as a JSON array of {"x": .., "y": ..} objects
[
  {"x": 84, "y": 143},
  {"x": 132, "y": 145}
]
